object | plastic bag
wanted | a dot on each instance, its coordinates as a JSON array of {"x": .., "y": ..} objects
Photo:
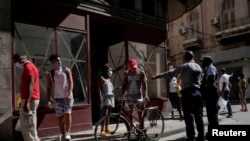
[
  {"x": 222, "y": 102},
  {"x": 168, "y": 108},
  {"x": 18, "y": 126}
]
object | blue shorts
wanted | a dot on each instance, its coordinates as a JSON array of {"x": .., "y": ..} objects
[{"x": 62, "y": 106}]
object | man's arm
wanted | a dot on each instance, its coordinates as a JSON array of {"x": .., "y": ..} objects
[
  {"x": 48, "y": 92},
  {"x": 124, "y": 83},
  {"x": 30, "y": 92},
  {"x": 70, "y": 82},
  {"x": 144, "y": 86},
  {"x": 223, "y": 88}
]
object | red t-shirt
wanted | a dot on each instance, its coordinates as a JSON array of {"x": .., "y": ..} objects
[{"x": 30, "y": 70}]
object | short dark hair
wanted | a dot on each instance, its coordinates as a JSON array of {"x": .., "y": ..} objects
[
  {"x": 241, "y": 75},
  {"x": 53, "y": 57},
  {"x": 106, "y": 67},
  {"x": 16, "y": 56},
  {"x": 189, "y": 55}
]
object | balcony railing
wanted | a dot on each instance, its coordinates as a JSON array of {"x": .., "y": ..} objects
[
  {"x": 235, "y": 23},
  {"x": 234, "y": 31},
  {"x": 193, "y": 44}
]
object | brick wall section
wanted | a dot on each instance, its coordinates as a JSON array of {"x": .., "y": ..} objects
[{"x": 5, "y": 72}]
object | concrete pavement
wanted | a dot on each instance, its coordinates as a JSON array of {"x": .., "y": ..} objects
[{"x": 172, "y": 127}]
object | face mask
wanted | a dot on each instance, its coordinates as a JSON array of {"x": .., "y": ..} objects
[
  {"x": 58, "y": 64},
  {"x": 19, "y": 65},
  {"x": 109, "y": 73}
]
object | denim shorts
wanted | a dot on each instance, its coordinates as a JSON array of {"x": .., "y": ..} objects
[{"x": 62, "y": 106}]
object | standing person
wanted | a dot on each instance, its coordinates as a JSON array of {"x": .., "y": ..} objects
[
  {"x": 105, "y": 87},
  {"x": 210, "y": 91},
  {"x": 135, "y": 87},
  {"x": 191, "y": 74},
  {"x": 242, "y": 84},
  {"x": 173, "y": 96},
  {"x": 30, "y": 95},
  {"x": 61, "y": 81},
  {"x": 224, "y": 87}
]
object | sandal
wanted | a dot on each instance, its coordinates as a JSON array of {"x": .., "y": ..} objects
[
  {"x": 103, "y": 134},
  {"x": 108, "y": 131}
]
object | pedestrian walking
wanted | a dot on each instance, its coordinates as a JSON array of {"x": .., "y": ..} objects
[
  {"x": 191, "y": 74},
  {"x": 30, "y": 95},
  {"x": 173, "y": 96},
  {"x": 105, "y": 87},
  {"x": 224, "y": 87},
  {"x": 242, "y": 85},
  {"x": 60, "y": 80},
  {"x": 210, "y": 91}
]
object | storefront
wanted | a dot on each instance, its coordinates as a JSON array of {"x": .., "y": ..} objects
[{"x": 41, "y": 30}]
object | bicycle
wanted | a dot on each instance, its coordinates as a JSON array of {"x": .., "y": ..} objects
[{"x": 123, "y": 128}]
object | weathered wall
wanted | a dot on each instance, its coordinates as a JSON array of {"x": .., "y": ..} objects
[{"x": 5, "y": 71}]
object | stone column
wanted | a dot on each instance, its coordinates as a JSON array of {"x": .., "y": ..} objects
[{"x": 5, "y": 71}]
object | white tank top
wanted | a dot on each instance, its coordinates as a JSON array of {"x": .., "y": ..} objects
[
  {"x": 60, "y": 84},
  {"x": 107, "y": 87}
]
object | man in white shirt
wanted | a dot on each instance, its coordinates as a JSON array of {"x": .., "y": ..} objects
[{"x": 224, "y": 87}]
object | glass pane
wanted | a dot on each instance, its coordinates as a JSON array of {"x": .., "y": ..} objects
[
  {"x": 232, "y": 17},
  {"x": 151, "y": 59},
  {"x": 36, "y": 42},
  {"x": 73, "y": 51}
]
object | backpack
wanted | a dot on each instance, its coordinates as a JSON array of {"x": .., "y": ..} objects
[{"x": 52, "y": 72}]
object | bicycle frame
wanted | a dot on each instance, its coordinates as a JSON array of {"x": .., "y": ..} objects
[
  {"x": 122, "y": 122},
  {"x": 129, "y": 117}
]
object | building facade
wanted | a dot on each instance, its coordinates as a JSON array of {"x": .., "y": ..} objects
[
  {"x": 81, "y": 31},
  {"x": 216, "y": 28}
]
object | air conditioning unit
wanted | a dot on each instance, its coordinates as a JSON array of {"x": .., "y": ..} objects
[
  {"x": 182, "y": 30},
  {"x": 214, "y": 21}
]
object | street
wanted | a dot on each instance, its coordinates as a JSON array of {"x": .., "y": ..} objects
[
  {"x": 175, "y": 128},
  {"x": 239, "y": 118}
]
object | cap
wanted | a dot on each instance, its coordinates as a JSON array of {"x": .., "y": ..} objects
[
  {"x": 189, "y": 55},
  {"x": 207, "y": 58},
  {"x": 133, "y": 63}
]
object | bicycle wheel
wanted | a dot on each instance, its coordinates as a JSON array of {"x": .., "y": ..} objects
[
  {"x": 118, "y": 129},
  {"x": 153, "y": 124}
]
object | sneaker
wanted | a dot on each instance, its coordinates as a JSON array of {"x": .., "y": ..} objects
[
  {"x": 61, "y": 137},
  {"x": 103, "y": 134},
  {"x": 67, "y": 137},
  {"x": 108, "y": 131},
  {"x": 245, "y": 110},
  {"x": 229, "y": 116}
]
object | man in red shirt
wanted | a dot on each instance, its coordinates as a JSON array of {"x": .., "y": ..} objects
[{"x": 30, "y": 95}]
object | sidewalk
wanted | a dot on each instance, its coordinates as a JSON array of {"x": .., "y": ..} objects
[{"x": 172, "y": 126}]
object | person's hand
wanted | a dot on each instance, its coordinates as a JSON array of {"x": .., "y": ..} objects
[
  {"x": 49, "y": 104},
  {"x": 26, "y": 107},
  {"x": 147, "y": 98},
  {"x": 68, "y": 98},
  {"x": 154, "y": 77}
]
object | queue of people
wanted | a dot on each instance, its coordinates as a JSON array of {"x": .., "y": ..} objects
[{"x": 191, "y": 84}]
